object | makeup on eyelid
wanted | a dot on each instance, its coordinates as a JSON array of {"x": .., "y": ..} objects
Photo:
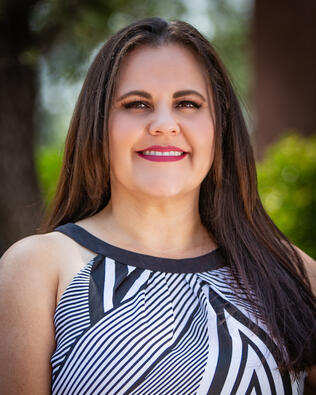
[{"x": 176, "y": 95}]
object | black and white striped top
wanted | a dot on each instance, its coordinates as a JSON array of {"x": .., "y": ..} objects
[{"x": 130, "y": 323}]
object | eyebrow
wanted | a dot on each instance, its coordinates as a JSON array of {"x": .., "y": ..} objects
[{"x": 148, "y": 95}]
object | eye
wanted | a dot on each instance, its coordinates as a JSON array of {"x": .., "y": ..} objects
[
  {"x": 135, "y": 104},
  {"x": 188, "y": 104}
]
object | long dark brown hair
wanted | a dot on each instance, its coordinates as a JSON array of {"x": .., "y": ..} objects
[{"x": 268, "y": 270}]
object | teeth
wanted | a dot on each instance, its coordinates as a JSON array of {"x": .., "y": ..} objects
[{"x": 159, "y": 153}]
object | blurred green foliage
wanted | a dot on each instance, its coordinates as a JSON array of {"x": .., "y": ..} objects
[
  {"x": 287, "y": 179},
  {"x": 48, "y": 160},
  {"x": 232, "y": 41}
]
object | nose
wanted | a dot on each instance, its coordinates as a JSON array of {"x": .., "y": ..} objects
[{"x": 163, "y": 122}]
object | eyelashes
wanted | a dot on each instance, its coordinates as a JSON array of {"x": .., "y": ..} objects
[
  {"x": 189, "y": 104},
  {"x": 135, "y": 104},
  {"x": 142, "y": 105}
]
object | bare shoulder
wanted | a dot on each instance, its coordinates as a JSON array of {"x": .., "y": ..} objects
[
  {"x": 35, "y": 256},
  {"x": 310, "y": 266},
  {"x": 28, "y": 257},
  {"x": 28, "y": 243}
]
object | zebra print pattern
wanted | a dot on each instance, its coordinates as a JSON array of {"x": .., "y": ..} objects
[{"x": 122, "y": 328}]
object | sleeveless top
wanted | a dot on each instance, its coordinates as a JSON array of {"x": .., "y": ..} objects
[{"x": 130, "y": 323}]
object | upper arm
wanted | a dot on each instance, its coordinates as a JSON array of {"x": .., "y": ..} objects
[
  {"x": 311, "y": 377},
  {"x": 28, "y": 284},
  {"x": 310, "y": 266}
]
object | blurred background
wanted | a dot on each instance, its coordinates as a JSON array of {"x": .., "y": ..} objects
[{"x": 268, "y": 47}]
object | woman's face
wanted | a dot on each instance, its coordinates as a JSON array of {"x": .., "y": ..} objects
[{"x": 161, "y": 100}]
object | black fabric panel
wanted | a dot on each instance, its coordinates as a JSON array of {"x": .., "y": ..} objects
[
  {"x": 225, "y": 349},
  {"x": 96, "y": 287},
  {"x": 254, "y": 384}
]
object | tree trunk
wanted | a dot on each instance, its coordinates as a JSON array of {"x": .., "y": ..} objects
[
  {"x": 20, "y": 200},
  {"x": 285, "y": 64}
]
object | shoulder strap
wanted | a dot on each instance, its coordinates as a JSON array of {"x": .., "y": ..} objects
[{"x": 83, "y": 237}]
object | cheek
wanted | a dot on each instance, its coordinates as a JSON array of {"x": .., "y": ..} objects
[
  {"x": 207, "y": 154},
  {"x": 202, "y": 138},
  {"x": 122, "y": 135}
]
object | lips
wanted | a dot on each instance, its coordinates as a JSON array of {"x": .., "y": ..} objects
[
  {"x": 149, "y": 153},
  {"x": 161, "y": 148},
  {"x": 168, "y": 153}
]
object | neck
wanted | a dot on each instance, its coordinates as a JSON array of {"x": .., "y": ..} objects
[{"x": 170, "y": 226}]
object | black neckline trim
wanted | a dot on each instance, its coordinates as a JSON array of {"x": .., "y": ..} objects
[{"x": 210, "y": 261}]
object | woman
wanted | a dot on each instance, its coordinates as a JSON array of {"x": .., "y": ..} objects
[{"x": 158, "y": 263}]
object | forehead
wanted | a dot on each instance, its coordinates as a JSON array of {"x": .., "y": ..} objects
[{"x": 167, "y": 67}]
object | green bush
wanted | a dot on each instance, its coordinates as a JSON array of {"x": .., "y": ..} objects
[
  {"x": 48, "y": 160},
  {"x": 287, "y": 178}
]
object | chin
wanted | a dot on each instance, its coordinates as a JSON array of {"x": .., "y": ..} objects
[{"x": 161, "y": 191}]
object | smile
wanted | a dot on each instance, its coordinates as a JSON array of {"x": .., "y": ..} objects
[{"x": 158, "y": 156}]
